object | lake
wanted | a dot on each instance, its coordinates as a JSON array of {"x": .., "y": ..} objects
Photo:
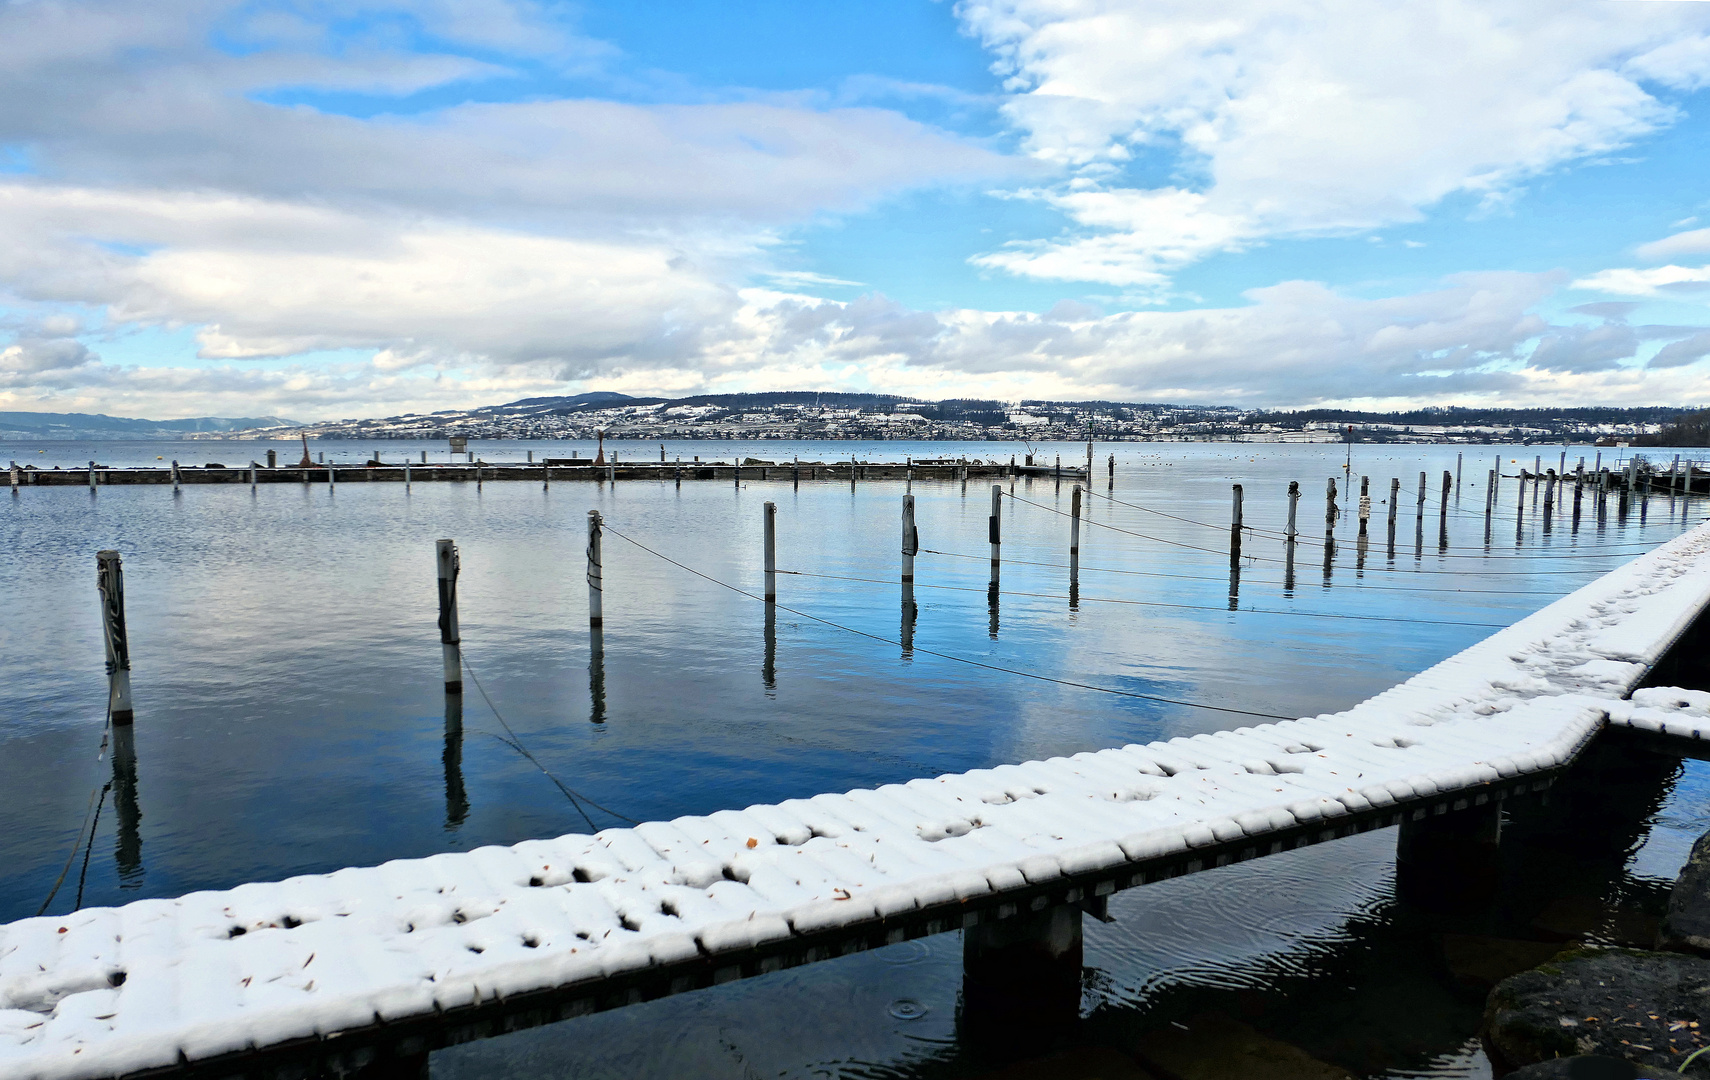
[{"x": 290, "y": 716}]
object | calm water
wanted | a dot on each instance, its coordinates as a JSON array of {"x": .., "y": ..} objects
[{"x": 290, "y": 716}]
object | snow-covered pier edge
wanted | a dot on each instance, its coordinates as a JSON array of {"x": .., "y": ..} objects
[{"x": 367, "y": 969}]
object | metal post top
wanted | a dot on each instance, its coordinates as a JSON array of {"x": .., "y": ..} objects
[{"x": 107, "y": 555}]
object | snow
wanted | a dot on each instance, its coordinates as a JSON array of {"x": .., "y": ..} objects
[{"x": 112, "y": 990}]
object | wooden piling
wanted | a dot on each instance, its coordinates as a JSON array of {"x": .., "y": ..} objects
[
  {"x": 450, "y": 642},
  {"x": 1365, "y": 503},
  {"x": 177, "y": 478},
  {"x": 92, "y": 481},
  {"x": 110, "y": 584},
  {"x": 1419, "y": 512},
  {"x": 1443, "y": 510},
  {"x": 1458, "y": 473},
  {"x": 1489, "y": 504},
  {"x": 1089, "y": 463},
  {"x": 994, "y": 529},
  {"x": 1394, "y": 508},
  {"x": 1075, "y": 529},
  {"x": 273, "y": 459},
  {"x": 596, "y": 581},
  {"x": 770, "y": 543},
  {"x": 1234, "y": 527},
  {"x": 253, "y": 480},
  {"x": 1111, "y": 464},
  {"x": 910, "y": 540},
  {"x": 406, "y": 474},
  {"x": 1329, "y": 505},
  {"x": 1291, "y": 532}
]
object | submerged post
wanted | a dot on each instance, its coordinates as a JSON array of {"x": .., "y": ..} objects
[
  {"x": 450, "y": 642},
  {"x": 596, "y": 582},
  {"x": 910, "y": 540},
  {"x": 1234, "y": 526},
  {"x": 770, "y": 516},
  {"x": 110, "y": 583},
  {"x": 994, "y": 528}
]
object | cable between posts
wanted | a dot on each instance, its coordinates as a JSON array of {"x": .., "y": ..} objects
[{"x": 944, "y": 655}]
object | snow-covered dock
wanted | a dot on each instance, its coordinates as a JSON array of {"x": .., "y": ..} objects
[{"x": 369, "y": 964}]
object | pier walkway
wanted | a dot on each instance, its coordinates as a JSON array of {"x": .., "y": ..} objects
[{"x": 367, "y": 969}]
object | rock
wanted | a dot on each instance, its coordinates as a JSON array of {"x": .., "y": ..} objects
[
  {"x": 1686, "y": 927},
  {"x": 1589, "y": 1067},
  {"x": 1215, "y": 1047},
  {"x": 1485, "y": 961},
  {"x": 1640, "y": 1006},
  {"x": 1089, "y": 1063}
]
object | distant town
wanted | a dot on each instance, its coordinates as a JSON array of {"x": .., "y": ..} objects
[
  {"x": 877, "y": 417},
  {"x": 874, "y": 417}
]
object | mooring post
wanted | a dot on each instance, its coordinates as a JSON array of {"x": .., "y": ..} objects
[
  {"x": 910, "y": 540},
  {"x": 1021, "y": 981},
  {"x": 1365, "y": 503},
  {"x": 1489, "y": 505},
  {"x": 1111, "y": 464},
  {"x": 679, "y": 470},
  {"x": 1075, "y": 529},
  {"x": 1578, "y": 493},
  {"x": 1597, "y": 463},
  {"x": 332, "y": 481},
  {"x": 1058, "y": 475},
  {"x": 450, "y": 643},
  {"x": 1329, "y": 505},
  {"x": 1293, "y": 505},
  {"x": 994, "y": 527},
  {"x": 1234, "y": 527},
  {"x": 596, "y": 614},
  {"x": 1419, "y": 512},
  {"x": 1457, "y": 474},
  {"x": 252, "y": 478},
  {"x": 1089, "y": 463},
  {"x": 92, "y": 476},
  {"x": 1443, "y": 510},
  {"x": 1394, "y": 507},
  {"x": 110, "y": 584},
  {"x": 17, "y": 477},
  {"x": 770, "y": 514},
  {"x": 1549, "y": 492},
  {"x": 273, "y": 459},
  {"x": 176, "y": 477}
]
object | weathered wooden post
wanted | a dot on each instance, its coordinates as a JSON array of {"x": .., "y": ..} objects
[
  {"x": 1089, "y": 463},
  {"x": 994, "y": 527},
  {"x": 1489, "y": 505},
  {"x": 1234, "y": 527},
  {"x": 252, "y": 477},
  {"x": 1075, "y": 530},
  {"x": 910, "y": 540},
  {"x": 273, "y": 459},
  {"x": 1597, "y": 463},
  {"x": 1365, "y": 503},
  {"x": 177, "y": 478},
  {"x": 92, "y": 480},
  {"x": 450, "y": 642},
  {"x": 770, "y": 514},
  {"x": 1549, "y": 492},
  {"x": 1394, "y": 507},
  {"x": 1578, "y": 494},
  {"x": 1443, "y": 510},
  {"x": 110, "y": 583},
  {"x": 1329, "y": 505},
  {"x": 596, "y": 581},
  {"x": 1291, "y": 533},
  {"x": 1419, "y": 511}
]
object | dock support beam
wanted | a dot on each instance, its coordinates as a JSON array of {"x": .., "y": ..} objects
[
  {"x": 450, "y": 643},
  {"x": 1449, "y": 861},
  {"x": 1021, "y": 981},
  {"x": 110, "y": 583}
]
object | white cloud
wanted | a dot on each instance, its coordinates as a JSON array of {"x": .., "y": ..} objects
[
  {"x": 1657, "y": 281},
  {"x": 1298, "y": 120},
  {"x": 1696, "y": 242}
]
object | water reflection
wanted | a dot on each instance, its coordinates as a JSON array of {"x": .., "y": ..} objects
[
  {"x": 769, "y": 666},
  {"x": 127, "y": 845},
  {"x": 596, "y": 675},
  {"x": 910, "y": 612},
  {"x": 456, "y": 802}
]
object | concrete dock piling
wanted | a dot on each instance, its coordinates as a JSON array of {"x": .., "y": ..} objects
[
  {"x": 448, "y": 566},
  {"x": 596, "y": 579},
  {"x": 110, "y": 584},
  {"x": 770, "y": 545}
]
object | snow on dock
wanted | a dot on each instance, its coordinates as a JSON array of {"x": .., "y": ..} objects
[{"x": 420, "y": 953}]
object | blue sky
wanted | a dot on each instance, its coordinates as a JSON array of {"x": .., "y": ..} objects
[{"x": 324, "y": 209}]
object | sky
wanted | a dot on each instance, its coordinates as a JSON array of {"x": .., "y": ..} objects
[{"x": 323, "y": 210}]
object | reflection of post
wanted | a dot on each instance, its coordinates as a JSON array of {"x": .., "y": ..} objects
[
  {"x": 127, "y": 846},
  {"x": 909, "y": 613},
  {"x": 110, "y": 583},
  {"x": 1288, "y": 569},
  {"x": 1234, "y": 585},
  {"x": 450, "y": 641},
  {"x": 769, "y": 666},
  {"x": 1021, "y": 982},
  {"x": 596, "y": 675},
  {"x": 456, "y": 802},
  {"x": 992, "y": 605}
]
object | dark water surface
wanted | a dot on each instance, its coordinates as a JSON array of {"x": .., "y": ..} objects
[{"x": 290, "y": 717}]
